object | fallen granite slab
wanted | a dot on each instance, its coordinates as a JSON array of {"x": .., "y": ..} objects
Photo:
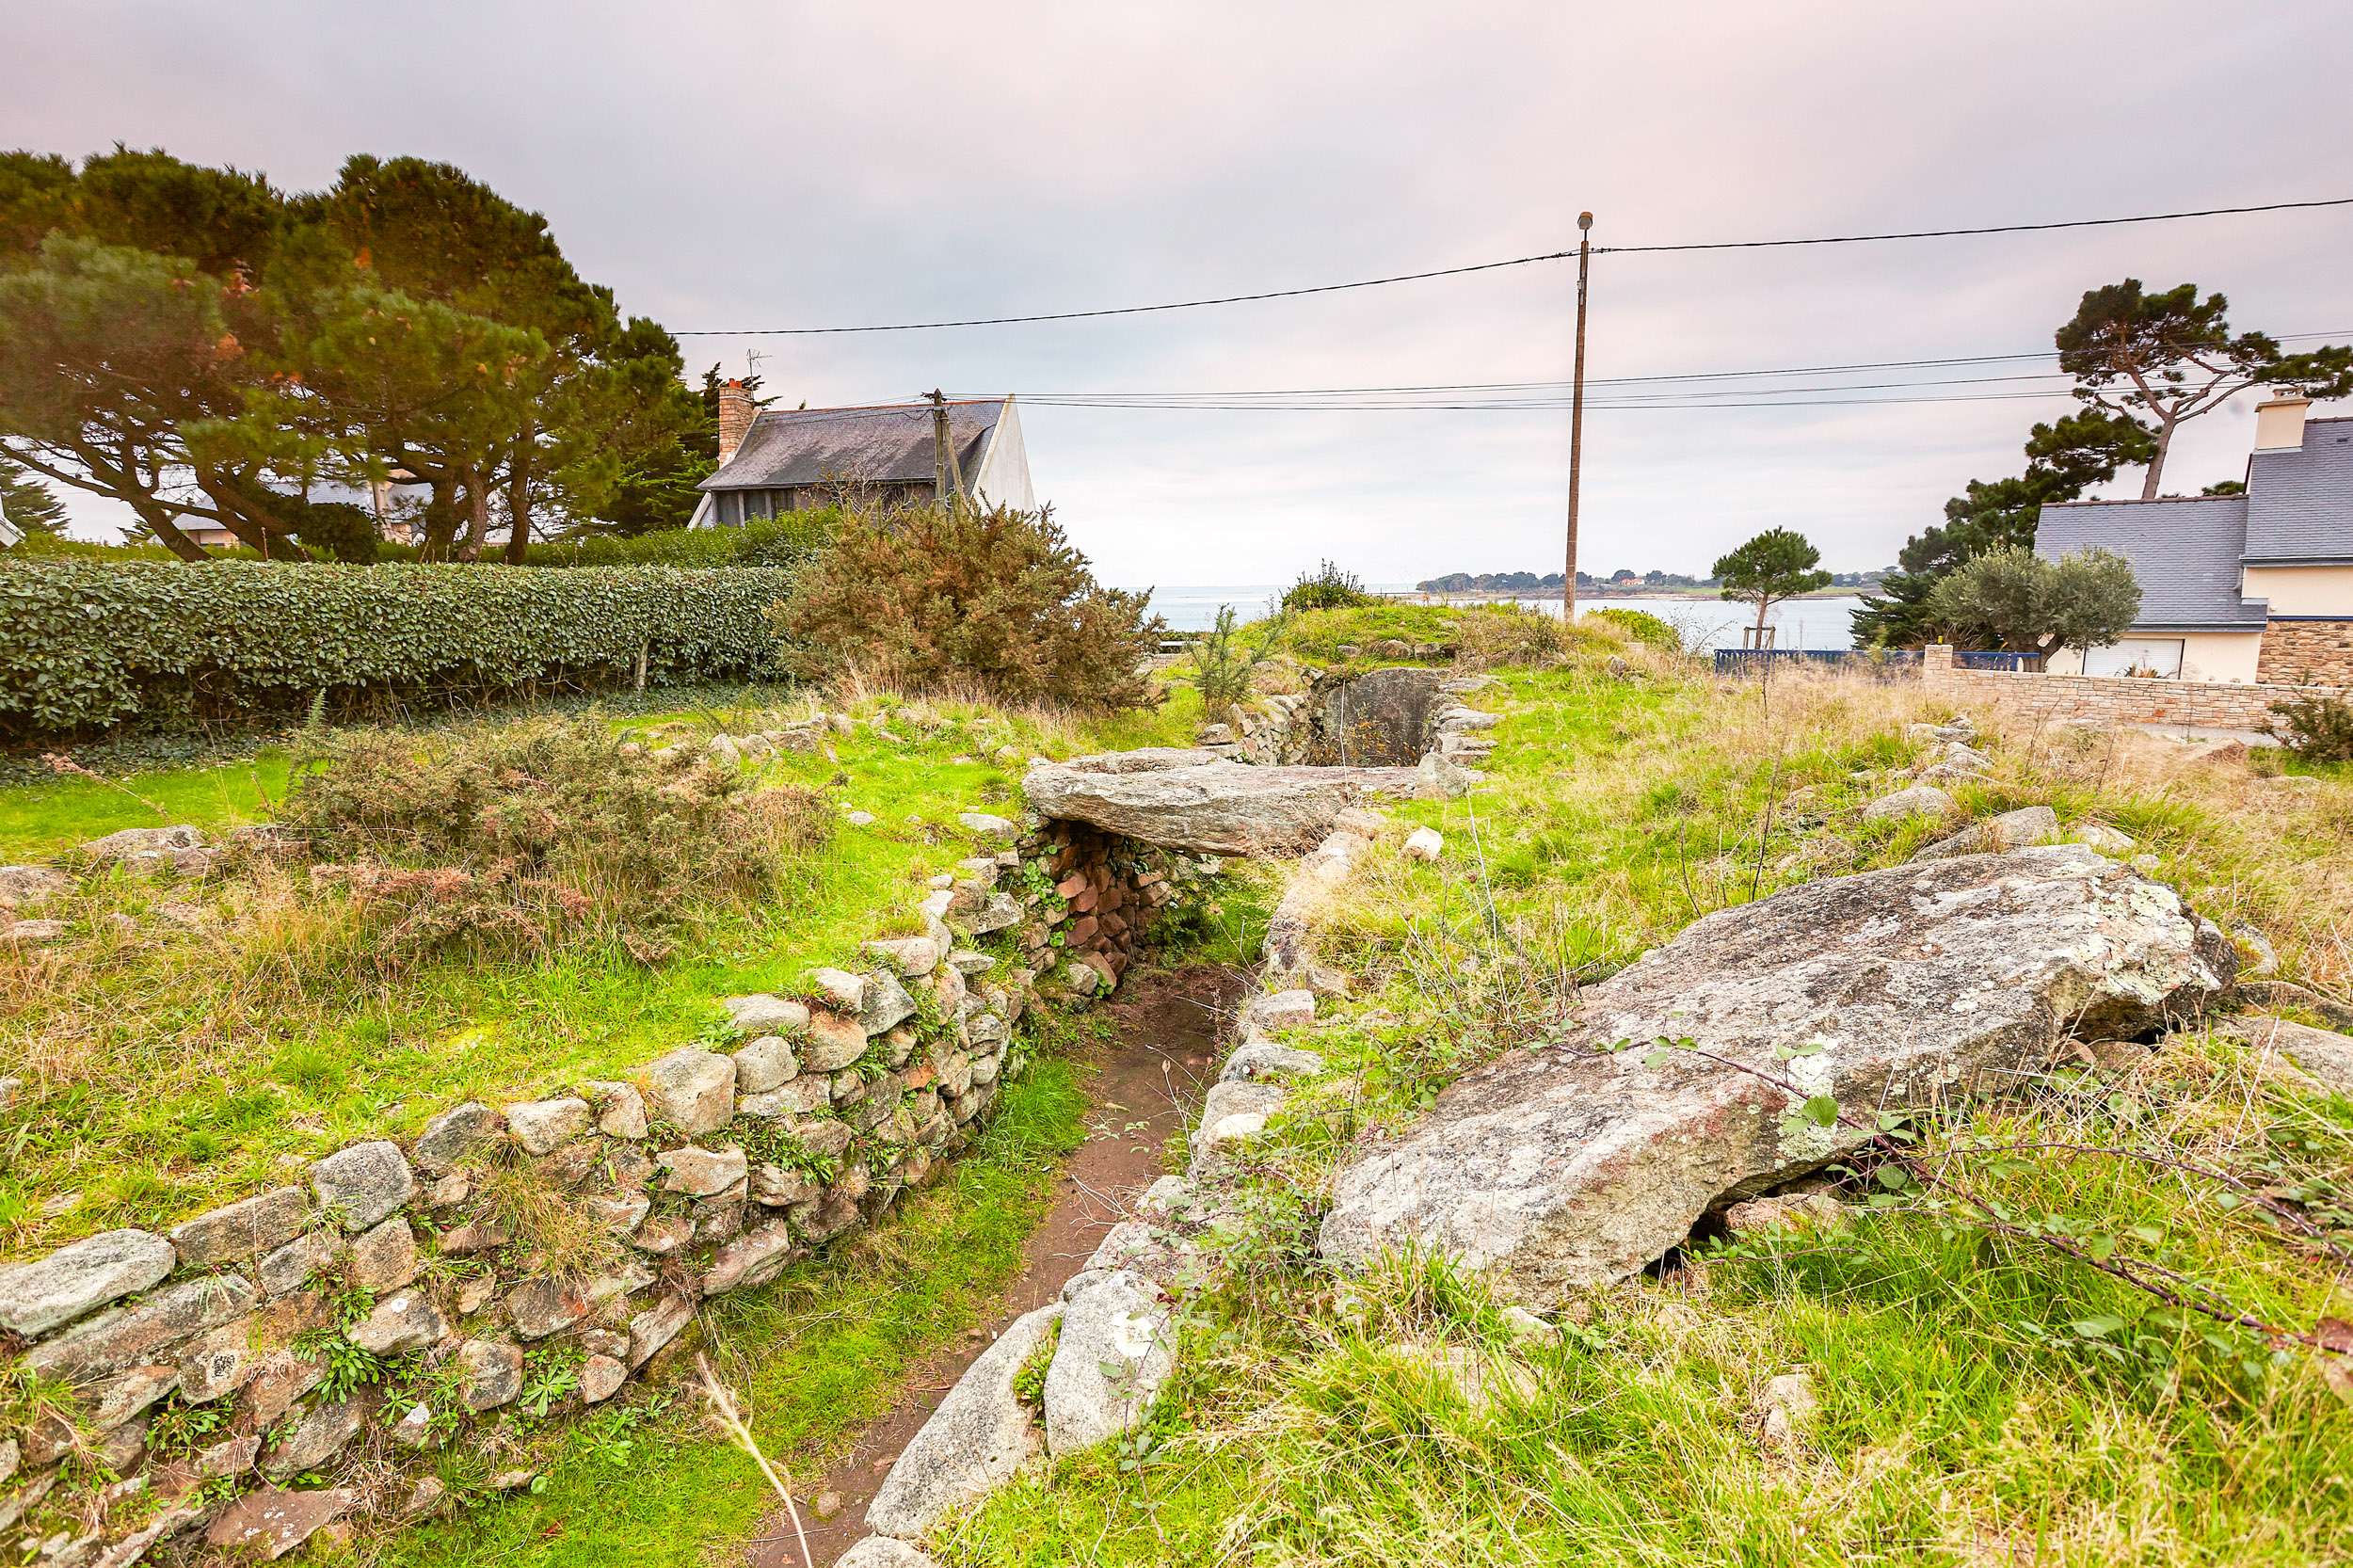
[
  {"x": 1570, "y": 1164},
  {"x": 1210, "y": 808}
]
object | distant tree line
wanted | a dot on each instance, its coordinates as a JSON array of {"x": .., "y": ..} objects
[
  {"x": 1530, "y": 583},
  {"x": 210, "y": 352}
]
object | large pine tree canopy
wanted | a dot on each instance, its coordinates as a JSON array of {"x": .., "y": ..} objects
[{"x": 207, "y": 349}]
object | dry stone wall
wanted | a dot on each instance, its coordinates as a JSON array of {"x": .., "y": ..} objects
[
  {"x": 2307, "y": 652},
  {"x": 247, "y": 1376},
  {"x": 2114, "y": 698},
  {"x": 1395, "y": 714}
]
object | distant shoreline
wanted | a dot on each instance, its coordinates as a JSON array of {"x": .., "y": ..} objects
[{"x": 1701, "y": 596}]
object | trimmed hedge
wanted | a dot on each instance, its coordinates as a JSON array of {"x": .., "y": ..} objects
[{"x": 86, "y": 646}]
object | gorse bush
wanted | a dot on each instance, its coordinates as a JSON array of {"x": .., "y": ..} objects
[
  {"x": 1327, "y": 587},
  {"x": 1640, "y": 625},
  {"x": 518, "y": 832},
  {"x": 2317, "y": 728},
  {"x": 1512, "y": 635},
  {"x": 938, "y": 597},
  {"x": 92, "y": 645}
]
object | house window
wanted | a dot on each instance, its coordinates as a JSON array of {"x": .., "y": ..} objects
[{"x": 2158, "y": 656}]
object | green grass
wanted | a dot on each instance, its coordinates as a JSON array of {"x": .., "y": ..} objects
[
  {"x": 1983, "y": 1401},
  {"x": 169, "y": 1070},
  {"x": 40, "y": 821},
  {"x": 811, "y": 1360}
]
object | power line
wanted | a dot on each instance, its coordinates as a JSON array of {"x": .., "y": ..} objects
[
  {"x": 1121, "y": 309},
  {"x": 1492, "y": 267},
  {"x": 1554, "y": 404},
  {"x": 1989, "y": 228},
  {"x": 1687, "y": 384}
]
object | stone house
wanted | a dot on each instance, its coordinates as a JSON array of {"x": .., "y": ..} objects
[
  {"x": 774, "y": 461},
  {"x": 2252, "y": 587}
]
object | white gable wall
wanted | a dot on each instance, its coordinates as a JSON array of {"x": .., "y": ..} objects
[{"x": 1003, "y": 479}]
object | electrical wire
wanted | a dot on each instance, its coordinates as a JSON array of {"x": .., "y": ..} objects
[
  {"x": 1590, "y": 405},
  {"x": 1492, "y": 267},
  {"x": 1592, "y": 381}
]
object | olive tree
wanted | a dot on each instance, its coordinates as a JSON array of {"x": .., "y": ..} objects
[{"x": 2019, "y": 600}]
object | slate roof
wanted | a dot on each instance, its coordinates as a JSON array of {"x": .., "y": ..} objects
[
  {"x": 2185, "y": 551},
  {"x": 886, "y": 443},
  {"x": 2299, "y": 503}
]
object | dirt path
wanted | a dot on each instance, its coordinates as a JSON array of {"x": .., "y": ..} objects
[{"x": 1151, "y": 1076}]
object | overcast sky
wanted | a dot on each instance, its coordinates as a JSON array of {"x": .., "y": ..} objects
[{"x": 734, "y": 166}]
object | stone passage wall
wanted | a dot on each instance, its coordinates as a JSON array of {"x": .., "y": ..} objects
[
  {"x": 2307, "y": 652},
  {"x": 259, "y": 1372},
  {"x": 1389, "y": 716},
  {"x": 2111, "y": 699}
]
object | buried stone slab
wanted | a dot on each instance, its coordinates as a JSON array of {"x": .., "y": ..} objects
[
  {"x": 1211, "y": 808},
  {"x": 973, "y": 1442},
  {"x": 1117, "y": 1347},
  {"x": 2031, "y": 824},
  {"x": 880, "y": 1551},
  {"x": 1919, "y": 800},
  {"x": 1898, "y": 989}
]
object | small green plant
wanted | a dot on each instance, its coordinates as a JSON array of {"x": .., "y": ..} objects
[
  {"x": 347, "y": 1367},
  {"x": 179, "y": 1429},
  {"x": 620, "y": 1436},
  {"x": 26, "y": 1396},
  {"x": 772, "y": 1143},
  {"x": 1327, "y": 587},
  {"x": 1029, "y": 1384},
  {"x": 551, "y": 1374}
]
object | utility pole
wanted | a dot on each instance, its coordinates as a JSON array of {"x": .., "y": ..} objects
[
  {"x": 947, "y": 470},
  {"x": 939, "y": 445},
  {"x": 1576, "y": 416}
]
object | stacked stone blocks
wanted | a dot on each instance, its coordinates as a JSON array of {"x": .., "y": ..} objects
[{"x": 2114, "y": 700}]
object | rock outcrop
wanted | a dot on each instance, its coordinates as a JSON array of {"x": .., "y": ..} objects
[
  {"x": 1208, "y": 807},
  {"x": 1902, "y": 989}
]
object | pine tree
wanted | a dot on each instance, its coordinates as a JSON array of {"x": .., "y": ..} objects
[{"x": 30, "y": 505}]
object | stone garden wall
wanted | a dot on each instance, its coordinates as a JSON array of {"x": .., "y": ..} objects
[
  {"x": 241, "y": 1379},
  {"x": 2111, "y": 699}
]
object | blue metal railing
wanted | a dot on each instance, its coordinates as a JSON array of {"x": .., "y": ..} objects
[{"x": 1755, "y": 661}]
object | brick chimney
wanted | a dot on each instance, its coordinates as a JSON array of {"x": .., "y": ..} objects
[
  {"x": 736, "y": 409},
  {"x": 2279, "y": 424}
]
